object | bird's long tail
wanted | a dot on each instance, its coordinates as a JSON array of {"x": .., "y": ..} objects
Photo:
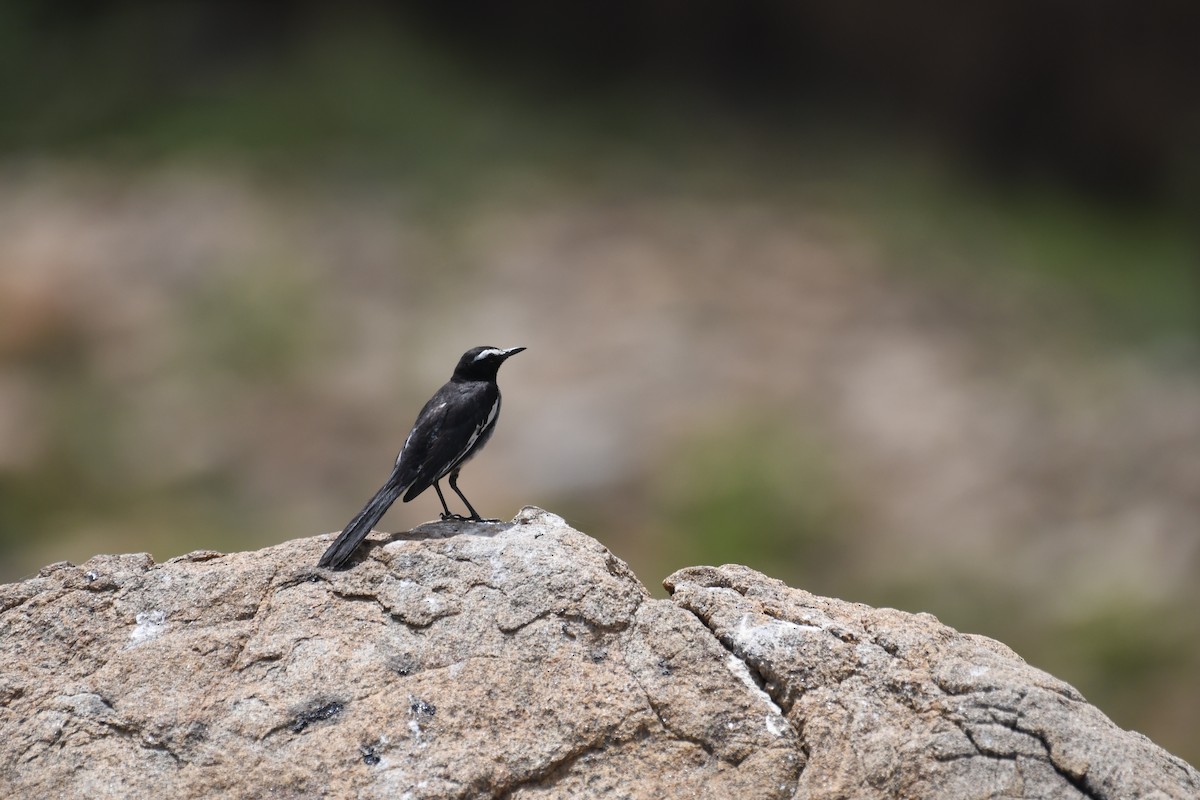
[{"x": 343, "y": 547}]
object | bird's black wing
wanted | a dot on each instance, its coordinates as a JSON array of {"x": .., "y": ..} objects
[{"x": 446, "y": 431}]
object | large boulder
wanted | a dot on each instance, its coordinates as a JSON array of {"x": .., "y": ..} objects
[{"x": 520, "y": 660}]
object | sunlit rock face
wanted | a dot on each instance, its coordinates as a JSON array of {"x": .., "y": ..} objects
[{"x": 520, "y": 660}]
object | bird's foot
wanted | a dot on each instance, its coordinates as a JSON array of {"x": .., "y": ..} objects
[{"x": 460, "y": 518}]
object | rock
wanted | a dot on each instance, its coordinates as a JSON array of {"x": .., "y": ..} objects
[
  {"x": 519, "y": 660},
  {"x": 889, "y": 704}
]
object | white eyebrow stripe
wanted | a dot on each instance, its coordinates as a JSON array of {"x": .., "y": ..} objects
[{"x": 491, "y": 351}]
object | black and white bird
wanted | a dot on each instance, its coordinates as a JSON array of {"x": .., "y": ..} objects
[{"x": 452, "y": 427}]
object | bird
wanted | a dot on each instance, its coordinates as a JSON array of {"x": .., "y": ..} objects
[{"x": 452, "y": 427}]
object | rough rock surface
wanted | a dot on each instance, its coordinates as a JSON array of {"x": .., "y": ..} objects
[
  {"x": 891, "y": 704},
  {"x": 520, "y": 660}
]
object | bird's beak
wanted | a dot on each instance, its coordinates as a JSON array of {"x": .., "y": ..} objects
[{"x": 512, "y": 351}]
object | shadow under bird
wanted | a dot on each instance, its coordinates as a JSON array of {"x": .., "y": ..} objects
[{"x": 452, "y": 427}]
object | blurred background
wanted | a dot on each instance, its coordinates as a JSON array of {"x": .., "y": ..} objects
[{"x": 897, "y": 304}]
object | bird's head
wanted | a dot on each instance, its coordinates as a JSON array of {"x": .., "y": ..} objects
[{"x": 482, "y": 363}]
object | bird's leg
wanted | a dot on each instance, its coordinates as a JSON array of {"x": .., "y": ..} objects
[
  {"x": 474, "y": 514},
  {"x": 445, "y": 508}
]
